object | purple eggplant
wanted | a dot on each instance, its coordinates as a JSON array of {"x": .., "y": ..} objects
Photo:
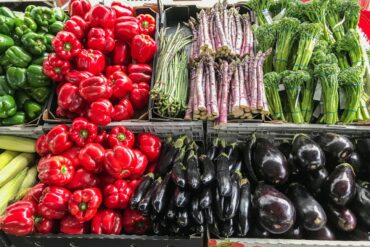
[
  {"x": 340, "y": 217},
  {"x": 307, "y": 154},
  {"x": 324, "y": 233},
  {"x": 361, "y": 202}
]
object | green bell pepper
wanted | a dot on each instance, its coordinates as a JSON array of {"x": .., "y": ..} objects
[
  {"x": 40, "y": 94},
  {"x": 17, "y": 119},
  {"x": 5, "y": 11},
  {"x": 18, "y": 57},
  {"x": 35, "y": 76},
  {"x": 59, "y": 14},
  {"x": 5, "y": 87},
  {"x": 49, "y": 39},
  {"x": 27, "y": 11},
  {"x": 5, "y": 42},
  {"x": 4, "y": 62},
  {"x": 1, "y": 70},
  {"x": 56, "y": 27},
  {"x": 34, "y": 43},
  {"x": 16, "y": 77},
  {"x": 20, "y": 98},
  {"x": 40, "y": 60},
  {"x": 43, "y": 16},
  {"x": 6, "y": 25},
  {"x": 25, "y": 25},
  {"x": 8, "y": 107},
  {"x": 32, "y": 109}
]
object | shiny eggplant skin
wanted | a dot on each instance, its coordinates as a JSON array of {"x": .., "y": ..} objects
[
  {"x": 227, "y": 228},
  {"x": 178, "y": 174},
  {"x": 337, "y": 148},
  {"x": 244, "y": 208},
  {"x": 361, "y": 202},
  {"x": 141, "y": 189},
  {"x": 324, "y": 233},
  {"x": 192, "y": 171},
  {"x": 145, "y": 202},
  {"x": 209, "y": 216},
  {"x": 247, "y": 154},
  {"x": 208, "y": 170},
  {"x": 316, "y": 179},
  {"x": 361, "y": 232},
  {"x": 182, "y": 218},
  {"x": 223, "y": 175},
  {"x": 286, "y": 148},
  {"x": 232, "y": 202},
  {"x": 258, "y": 232},
  {"x": 182, "y": 197},
  {"x": 165, "y": 161},
  {"x": 311, "y": 214},
  {"x": 356, "y": 161},
  {"x": 171, "y": 211},
  {"x": 270, "y": 163},
  {"x": 340, "y": 186},
  {"x": 220, "y": 204},
  {"x": 205, "y": 199},
  {"x": 362, "y": 148},
  {"x": 307, "y": 153},
  {"x": 161, "y": 195},
  {"x": 213, "y": 150},
  {"x": 340, "y": 217},
  {"x": 275, "y": 211},
  {"x": 296, "y": 232},
  {"x": 196, "y": 212}
]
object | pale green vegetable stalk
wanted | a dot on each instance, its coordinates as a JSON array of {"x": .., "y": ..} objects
[
  {"x": 266, "y": 38},
  {"x": 14, "y": 167},
  {"x": 271, "y": 81},
  {"x": 29, "y": 181}
]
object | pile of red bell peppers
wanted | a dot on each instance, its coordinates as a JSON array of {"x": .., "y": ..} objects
[
  {"x": 101, "y": 62},
  {"x": 87, "y": 178}
]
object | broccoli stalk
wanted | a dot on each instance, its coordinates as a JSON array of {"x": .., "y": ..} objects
[
  {"x": 266, "y": 37},
  {"x": 271, "y": 81},
  {"x": 334, "y": 20},
  {"x": 307, "y": 99},
  {"x": 350, "y": 11},
  {"x": 259, "y": 6}
]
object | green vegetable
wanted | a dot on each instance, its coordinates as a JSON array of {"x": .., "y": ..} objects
[
  {"x": 14, "y": 167},
  {"x": 6, "y": 157},
  {"x": 17, "y": 56},
  {"x": 6, "y": 25},
  {"x": 350, "y": 11},
  {"x": 259, "y": 7},
  {"x": 56, "y": 27},
  {"x": 18, "y": 119},
  {"x": 4, "y": 87},
  {"x": 5, "y": 42},
  {"x": 39, "y": 94},
  {"x": 18, "y": 144},
  {"x": 27, "y": 11},
  {"x": 49, "y": 38},
  {"x": 34, "y": 43},
  {"x": 40, "y": 60},
  {"x": 20, "y": 98},
  {"x": 35, "y": 76},
  {"x": 334, "y": 19},
  {"x": 5, "y": 11},
  {"x": 307, "y": 99},
  {"x": 16, "y": 77},
  {"x": 271, "y": 81},
  {"x": 59, "y": 14},
  {"x": 25, "y": 25},
  {"x": 43, "y": 16},
  {"x": 8, "y": 107},
  {"x": 32, "y": 109},
  {"x": 266, "y": 37},
  {"x": 29, "y": 181}
]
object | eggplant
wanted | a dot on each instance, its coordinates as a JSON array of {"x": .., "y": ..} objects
[
  {"x": 358, "y": 165},
  {"x": 199, "y": 229},
  {"x": 145, "y": 202},
  {"x": 213, "y": 150},
  {"x": 337, "y": 148},
  {"x": 248, "y": 159},
  {"x": 307, "y": 153},
  {"x": 296, "y": 232},
  {"x": 165, "y": 161},
  {"x": 178, "y": 174},
  {"x": 223, "y": 175},
  {"x": 205, "y": 200},
  {"x": 227, "y": 228},
  {"x": 275, "y": 211},
  {"x": 232, "y": 202},
  {"x": 182, "y": 217},
  {"x": 316, "y": 179},
  {"x": 311, "y": 215},
  {"x": 196, "y": 212},
  {"x": 208, "y": 169},
  {"x": 361, "y": 202},
  {"x": 179, "y": 157},
  {"x": 182, "y": 197},
  {"x": 141, "y": 189},
  {"x": 341, "y": 186},
  {"x": 258, "y": 232},
  {"x": 192, "y": 171},
  {"x": 359, "y": 233},
  {"x": 324, "y": 233},
  {"x": 233, "y": 155},
  {"x": 270, "y": 163},
  {"x": 220, "y": 204},
  {"x": 340, "y": 217},
  {"x": 215, "y": 229},
  {"x": 244, "y": 208},
  {"x": 209, "y": 216},
  {"x": 157, "y": 228},
  {"x": 171, "y": 211},
  {"x": 286, "y": 148},
  {"x": 160, "y": 196},
  {"x": 362, "y": 148}
]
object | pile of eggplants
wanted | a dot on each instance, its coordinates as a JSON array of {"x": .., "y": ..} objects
[{"x": 311, "y": 187}]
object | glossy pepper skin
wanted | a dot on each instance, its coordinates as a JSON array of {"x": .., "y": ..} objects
[
  {"x": 127, "y": 27},
  {"x": 70, "y": 99},
  {"x": 122, "y": 9},
  {"x": 17, "y": 56},
  {"x": 56, "y": 27},
  {"x": 119, "y": 162},
  {"x": 43, "y": 225},
  {"x": 6, "y": 25},
  {"x": 121, "y": 53},
  {"x": 106, "y": 221},
  {"x": 43, "y": 16},
  {"x": 150, "y": 145},
  {"x": 55, "y": 170},
  {"x": 139, "y": 96},
  {"x": 121, "y": 84},
  {"x": 42, "y": 146},
  {"x": 5, "y": 87},
  {"x": 140, "y": 73},
  {"x": 83, "y": 179},
  {"x": 63, "y": 113},
  {"x": 92, "y": 157},
  {"x": 8, "y": 107},
  {"x": 34, "y": 194},
  {"x": 55, "y": 67},
  {"x": 75, "y": 77},
  {"x": 84, "y": 204},
  {"x": 72, "y": 154},
  {"x": 24, "y": 25},
  {"x": 146, "y": 24},
  {"x": 94, "y": 88},
  {"x": 76, "y": 25},
  {"x": 5, "y": 42},
  {"x": 102, "y": 16},
  {"x": 5, "y": 11},
  {"x": 100, "y": 39},
  {"x": 120, "y": 136},
  {"x": 16, "y": 77},
  {"x": 34, "y": 43},
  {"x": 102, "y": 138},
  {"x": 79, "y": 7},
  {"x": 39, "y": 94},
  {"x": 32, "y": 109},
  {"x": 17, "y": 119},
  {"x": 54, "y": 202},
  {"x": 35, "y": 76},
  {"x": 49, "y": 39},
  {"x": 134, "y": 222},
  {"x": 66, "y": 45},
  {"x": 123, "y": 110},
  {"x": 70, "y": 225},
  {"x": 91, "y": 60},
  {"x": 82, "y": 131},
  {"x": 18, "y": 218},
  {"x": 143, "y": 48},
  {"x": 110, "y": 70},
  {"x": 58, "y": 139},
  {"x": 142, "y": 163},
  {"x": 100, "y": 112},
  {"x": 117, "y": 195}
]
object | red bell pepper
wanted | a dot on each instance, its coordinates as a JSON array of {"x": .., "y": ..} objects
[
  {"x": 123, "y": 110},
  {"x": 120, "y": 136},
  {"x": 122, "y": 9},
  {"x": 34, "y": 194},
  {"x": 71, "y": 225},
  {"x": 82, "y": 131},
  {"x": 142, "y": 162},
  {"x": 127, "y": 27},
  {"x": 100, "y": 39},
  {"x": 42, "y": 146},
  {"x": 134, "y": 222},
  {"x": 106, "y": 221},
  {"x": 92, "y": 157},
  {"x": 55, "y": 67},
  {"x": 84, "y": 204},
  {"x": 63, "y": 113},
  {"x": 150, "y": 145},
  {"x": 75, "y": 77},
  {"x": 146, "y": 24},
  {"x": 100, "y": 112},
  {"x": 43, "y": 225},
  {"x": 54, "y": 202},
  {"x": 79, "y": 7},
  {"x": 151, "y": 168},
  {"x": 121, "y": 84},
  {"x": 120, "y": 161},
  {"x": 135, "y": 183},
  {"x": 102, "y": 138},
  {"x": 76, "y": 25},
  {"x": 106, "y": 179},
  {"x": 18, "y": 218},
  {"x": 92, "y": 61},
  {"x": 117, "y": 195},
  {"x": 72, "y": 155},
  {"x": 143, "y": 48},
  {"x": 66, "y": 45},
  {"x": 69, "y": 98},
  {"x": 58, "y": 139},
  {"x": 139, "y": 96},
  {"x": 140, "y": 73},
  {"x": 83, "y": 179},
  {"x": 55, "y": 170},
  {"x": 102, "y": 16},
  {"x": 121, "y": 53},
  {"x": 95, "y": 88},
  {"x": 110, "y": 70}
]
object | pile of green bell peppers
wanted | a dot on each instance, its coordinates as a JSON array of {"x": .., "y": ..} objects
[{"x": 25, "y": 41}]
